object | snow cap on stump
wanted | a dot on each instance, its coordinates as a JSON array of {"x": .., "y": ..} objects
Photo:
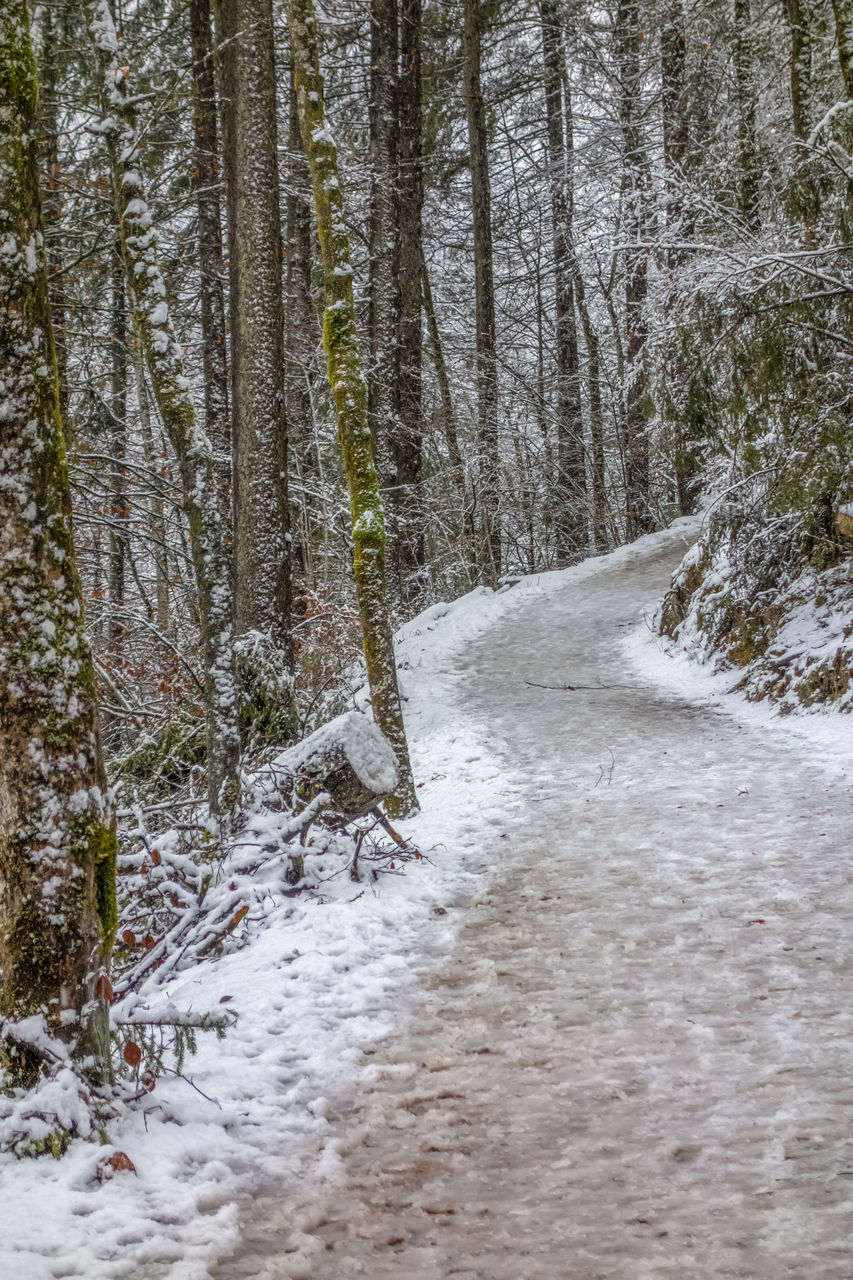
[{"x": 350, "y": 758}]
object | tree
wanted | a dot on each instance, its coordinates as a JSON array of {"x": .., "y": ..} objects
[
  {"x": 407, "y": 445},
  {"x": 634, "y": 194},
  {"x": 200, "y": 484},
  {"x": 207, "y": 182},
  {"x": 350, "y": 395},
  {"x": 474, "y": 24},
  {"x": 57, "y": 828},
  {"x": 256, "y": 312},
  {"x": 571, "y": 469},
  {"x": 749, "y": 173}
]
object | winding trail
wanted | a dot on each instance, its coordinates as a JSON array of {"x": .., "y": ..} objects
[{"x": 637, "y": 1062}]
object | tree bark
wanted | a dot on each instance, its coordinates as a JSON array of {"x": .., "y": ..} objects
[
  {"x": 570, "y": 490},
  {"x": 596, "y": 422},
  {"x": 799, "y": 17},
  {"x": 843, "y": 10},
  {"x": 117, "y": 436},
  {"x": 53, "y": 31},
  {"x": 745, "y": 95},
  {"x": 207, "y": 180},
  {"x": 350, "y": 395},
  {"x": 635, "y": 191},
  {"x": 407, "y": 446},
  {"x": 451, "y": 435},
  {"x": 261, "y": 546},
  {"x": 199, "y": 478},
  {"x": 673, "y": 49},
  {"x": 383, "y": 245},
  {"x": 57, "y": 826},
  {"x": 474, "y": 17},
  {"x": 301, "y": 340}
]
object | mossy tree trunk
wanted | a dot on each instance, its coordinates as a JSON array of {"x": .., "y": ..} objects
[
  {"x": 343, "y": 364},
  {"x": 146, "y": 289},
  {"x": 57, "y": 828}
]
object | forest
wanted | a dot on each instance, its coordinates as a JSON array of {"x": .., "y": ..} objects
[{"x": 314, "y": 316}]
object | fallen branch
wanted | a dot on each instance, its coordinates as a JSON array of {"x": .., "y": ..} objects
[{"x": 572, "y": 688}]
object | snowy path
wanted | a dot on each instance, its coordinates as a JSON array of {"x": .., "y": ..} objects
[{"x": 637, "y": 1062}]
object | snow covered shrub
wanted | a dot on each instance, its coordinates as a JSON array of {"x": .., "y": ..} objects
[{"x": 266, "y": 695}]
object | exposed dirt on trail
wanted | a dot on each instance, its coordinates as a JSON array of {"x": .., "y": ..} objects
[{"x": 637, "y": 1062}]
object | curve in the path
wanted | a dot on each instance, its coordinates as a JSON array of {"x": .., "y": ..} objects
[{"x": 637, "y": 1062}]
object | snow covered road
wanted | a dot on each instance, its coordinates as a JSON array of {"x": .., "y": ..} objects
[{"x": 637, "y": 1061}]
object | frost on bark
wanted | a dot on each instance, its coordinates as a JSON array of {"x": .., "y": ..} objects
[
  {"x": 57, "y": 829},
  {"x": 570, "y": 523},
  {"x": 474, "y": 20},
  {"x": 146, "y": 290},
  {"x": 343, "y": 364},
  {"x": 256, "y": 317}
]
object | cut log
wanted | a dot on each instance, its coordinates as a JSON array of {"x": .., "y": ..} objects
[{"x": 349, "y": 758}]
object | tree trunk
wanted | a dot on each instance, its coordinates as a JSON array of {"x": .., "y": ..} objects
[
  {"x": 57, "y": 827},
  {"x": 596, "y": 423},
  {"x": 635, "y": 191},
  {"x": 451, "y": 436},
  {"x": 207, "y": 180},
  {"x": 155, "y": 508},
  {"x": 745, "y": 95},
  {"x": 798, "y": 13},
  {"x": 674, "y": 120},
  {"x": 261, "y": 550},
  {"x": 199, "y": 478},
  {"x": 383, "y": 300},
  {"x": 570, "y": 523},
  {"x": 350, "y": 395},
  {"x": 117, "y": 435},
  {"x": 301, "y": 338},
  {"x": 487, "y": 369},
  {"x": 843, "y": 10},
  {"x": 408, "y": 546},
  {"x": 53, "y": 32}
]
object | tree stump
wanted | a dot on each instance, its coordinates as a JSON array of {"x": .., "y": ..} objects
[{"x": 349, "y": 758}]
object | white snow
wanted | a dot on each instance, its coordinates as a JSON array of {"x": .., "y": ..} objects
[
  {"x": 505, "y": 770},
  {"x": 370, "y": 754}
]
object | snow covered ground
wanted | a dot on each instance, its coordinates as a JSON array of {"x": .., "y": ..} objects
[{"x": 606, "y": 1023}]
